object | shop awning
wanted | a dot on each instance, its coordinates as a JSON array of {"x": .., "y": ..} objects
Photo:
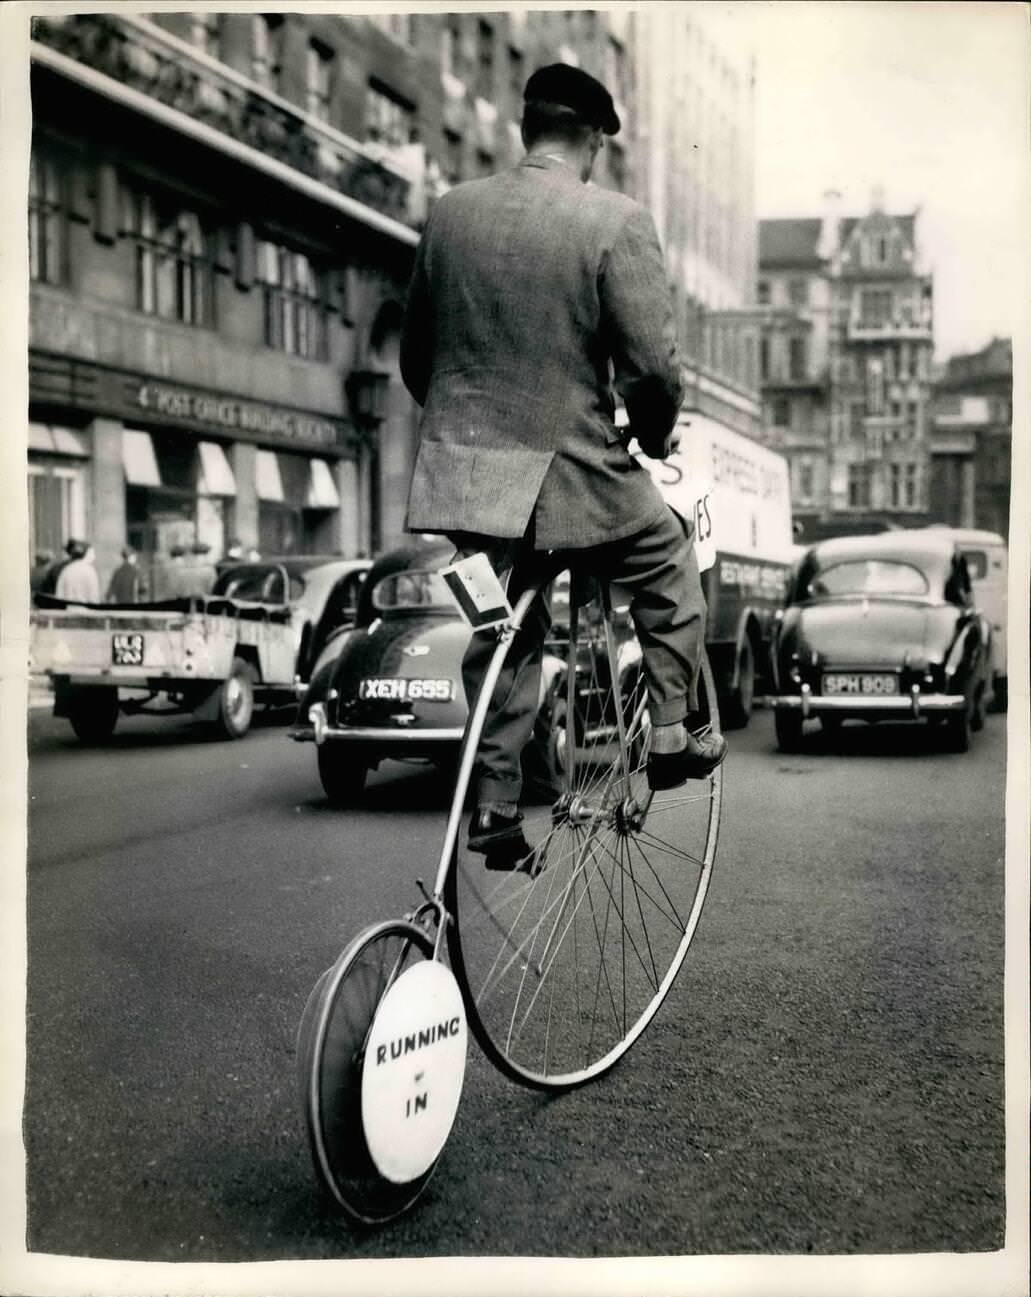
[
  {"x": 267, "y": 481},
  {"x": 138, "y": 459},
  {"x": 56, "y": 441},
  {"x": 216, "y": 476},
  {"x": 322, "y": 490}
]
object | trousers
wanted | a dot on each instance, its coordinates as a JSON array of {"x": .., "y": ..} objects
[{"x": 659, "y": 570}]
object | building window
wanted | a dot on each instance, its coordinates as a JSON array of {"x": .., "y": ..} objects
[
  {"x": 318, "y": 80},
  {"x": 452, "y": 157},
  {"x": 764, "y": 359},
  {"x": 781, "y": 412},
  {"x": 206, "y": 33},
  {"x": 762, "y": 294},
  {"x": 859, "y": 486},
  {"x": 56, "y": 507},
  {"x": 295, "y": 319},
  {"x": 172, "y": 266},
  {"x": 796, "y": 358},
  {"x": 400, "y": 26},
  {"x": 856, "y": 417},
  {"x": 46, "y": 221},
  {"x": 516, "y": 79},
  {"x": 616, "y": 165},
  {"x": 798, "y": 292},
  {"x": 909, "y": 486},
  {"x": 875, "y": 307},
  {"x": 451, "y": 61},
  {"x": 805, "y": 479},
  {"x": 267, "y": 50},
  {"x": 388, "y": 120},
  {"x": 616, "y": 69},
  {"x": 485, "y": 61}
]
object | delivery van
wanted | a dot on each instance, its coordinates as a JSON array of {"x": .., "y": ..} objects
[{"x": 737, "y": 493}]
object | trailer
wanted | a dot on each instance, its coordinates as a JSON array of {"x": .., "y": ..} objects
[{"x": 210, "y": 656}]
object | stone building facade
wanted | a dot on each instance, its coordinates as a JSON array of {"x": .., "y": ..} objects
[
  {"x": 223, "y": 210},
  {"x": 848, "y": 339},
  {"x": 971, "y": 439}
]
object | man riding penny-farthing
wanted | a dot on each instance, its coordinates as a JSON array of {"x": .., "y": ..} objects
[{"x": 536, "y": 300}]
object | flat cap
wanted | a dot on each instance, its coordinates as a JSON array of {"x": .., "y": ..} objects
[{"x": 560, "y": 83}]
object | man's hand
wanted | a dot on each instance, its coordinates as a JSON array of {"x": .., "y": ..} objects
[{"x": 663, "y": 449}]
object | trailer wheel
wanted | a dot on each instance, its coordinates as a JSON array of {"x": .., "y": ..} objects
[
  {"x": 236, "y": 700},
  {"x": 736, "y": 705},
  {"x": 93, "y": 713}
]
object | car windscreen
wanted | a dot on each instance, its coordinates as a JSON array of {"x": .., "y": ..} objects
[
  {"x": 412, "y": 590},
  {"x": 868, "y": 576}
]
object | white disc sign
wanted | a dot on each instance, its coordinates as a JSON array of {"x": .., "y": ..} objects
[{"x": 413, "y": 1071}]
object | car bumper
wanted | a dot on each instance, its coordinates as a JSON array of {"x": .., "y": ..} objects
[
  {"x": 319, "y": 730},
  {"x": 912, "y": 705}
]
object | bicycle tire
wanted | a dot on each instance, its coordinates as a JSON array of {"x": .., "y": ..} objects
[
  {"x": 330, "y": 1056},
  {"x": 555, "y": 991}
]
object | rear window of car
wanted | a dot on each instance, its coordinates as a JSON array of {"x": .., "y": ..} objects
[
  {"x": 869, "y": 576},
  {"x": 977, "y": 563},
  {"x": 411, "y": 589}
]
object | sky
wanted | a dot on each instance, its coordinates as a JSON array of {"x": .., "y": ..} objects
[{"x": 927, "y": 100}]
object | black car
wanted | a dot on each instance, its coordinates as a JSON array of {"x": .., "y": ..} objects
[
  {"x": 882, "y": 627},
  {"x": 392, "y": 686}
]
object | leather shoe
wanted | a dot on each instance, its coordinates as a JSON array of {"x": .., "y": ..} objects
[
  {"x": 493, "y": 834},
  {"x": 698, "y": 759}
]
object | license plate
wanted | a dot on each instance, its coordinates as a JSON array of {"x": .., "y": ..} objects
[
  {"x": 861, "y": 683},
  {"x": 401, "y": 689},
  {"x": 127, "y": 650}
]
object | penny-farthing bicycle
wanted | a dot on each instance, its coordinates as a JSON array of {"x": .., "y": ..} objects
[{"x": 557, "y": 967}]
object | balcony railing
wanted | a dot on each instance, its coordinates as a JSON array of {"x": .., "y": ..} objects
[
  {"x": 860, "y": 330},
  {"x": 138, "y": 54}
]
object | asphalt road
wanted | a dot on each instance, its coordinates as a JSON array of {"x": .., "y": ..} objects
[{"x": 826, "y": 1077}]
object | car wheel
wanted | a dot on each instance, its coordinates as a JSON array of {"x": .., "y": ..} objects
[
  {"x": 236, "y": 700},
  {"x": 93, "y": 714},
  {"x": 1000, "y": 698},
  {"x": 342, "y": 774},
  {"x": 957, "y": 730},
  {"x": 977, "y": 716},
  {"x": 544, "y": 767},
  {"x": 788, "y": 726},
  {"x": 736, "y": 704}
]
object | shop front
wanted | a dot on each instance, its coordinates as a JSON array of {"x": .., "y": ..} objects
[{"x": 180, "y": 474}]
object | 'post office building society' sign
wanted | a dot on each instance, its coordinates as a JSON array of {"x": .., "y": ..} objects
[{"x": 413, "y": 1071}]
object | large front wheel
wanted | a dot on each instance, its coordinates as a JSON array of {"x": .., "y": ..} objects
[{"x": 564, "y": 964}]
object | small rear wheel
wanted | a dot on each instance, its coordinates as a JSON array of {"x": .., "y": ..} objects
[
  {"x": 342, "y": 774},
  {"x": 93, "y": 713},
  {"x": 236, "y": 700},
  {"x": 331, "y": 1044}
]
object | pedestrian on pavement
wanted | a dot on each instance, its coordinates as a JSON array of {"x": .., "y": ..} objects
[
  {"x": 78, "y": 581},
  {"x": 528, "y": 286},
  {"x": 127, "y": 584},
  {"x": 48, "y": 583},
  {"x": 40, "y": 570}
]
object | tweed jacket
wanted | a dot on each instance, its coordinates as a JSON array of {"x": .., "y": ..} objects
[{"x": 533, "y": 299}]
